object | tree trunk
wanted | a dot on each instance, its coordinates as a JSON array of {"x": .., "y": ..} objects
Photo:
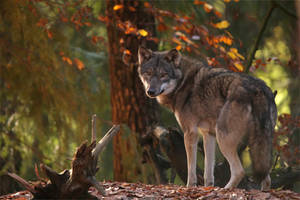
[{"x": 129, "y": 103}]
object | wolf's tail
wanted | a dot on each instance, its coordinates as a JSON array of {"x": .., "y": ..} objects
[{"x": 260, "y": 140}]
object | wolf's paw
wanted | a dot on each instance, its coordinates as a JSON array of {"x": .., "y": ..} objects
[{"x": 208, "y": 183}]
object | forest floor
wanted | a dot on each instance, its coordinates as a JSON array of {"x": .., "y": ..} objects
[{"x": 124, "y": 191}]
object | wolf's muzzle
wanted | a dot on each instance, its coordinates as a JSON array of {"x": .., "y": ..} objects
[{"x": 152, "y": 93}]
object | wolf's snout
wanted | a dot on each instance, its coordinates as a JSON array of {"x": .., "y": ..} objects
[{"x": 151, "y": 92}]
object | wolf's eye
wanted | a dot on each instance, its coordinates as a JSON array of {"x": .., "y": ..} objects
[
  {"x": 148, "y": 73},
  {"x": 164, "y": 75}
]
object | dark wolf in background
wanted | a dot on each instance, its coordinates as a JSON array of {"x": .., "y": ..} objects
[{"x": 222, "y": 105}]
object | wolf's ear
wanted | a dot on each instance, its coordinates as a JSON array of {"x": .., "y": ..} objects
[
  {"x": 173, "y": 56},
  {"x": 144, "y": 54}
]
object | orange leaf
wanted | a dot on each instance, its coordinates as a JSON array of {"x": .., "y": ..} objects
[
  {"x": 234, "y": 54},
  {"x": 132, "y": 9},
  {"x": 64, "y": 19},
  {"x": 88, "y": 23},
  {"x": 67, "y": 59},
  {"x": 208, "y": 188},
  {"x": 130, "y": 30},
  {"x": 188, "y": 49},
  {"x": 237, "y": 53},
  {"x": 49, "y": 33},
  {"x": 154, "y": 39},
  {"x": 103, "y": 18},
  {"x": 147, "y": 5},
  {"x": 207, "y": 7},
  {"x": 79, "y": 64},
  {"x": 218, "y": 14},
  {"x": 176, "y": 41},
  {"x": 162, "y": 27},
  {"x": 178, "y": 47},
  {"x": 227, "y": 1},
  {"x": 42, "y": 22},
  {"x": 21, "y": 198},
  {"x": 126, "y": 51},
  {"x": 118, "y": 7},
  {"x": 239, "y": 66},
  {"x": 221, "y": 25},
  {"x": 197, "y": 2},
  {"x": 95, "y": 39},
  {"x": 226, "y": 40},
  {"x": 143, "y": 33}
]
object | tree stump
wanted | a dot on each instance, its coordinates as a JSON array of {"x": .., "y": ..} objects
[{"x": 71, "y": 183}]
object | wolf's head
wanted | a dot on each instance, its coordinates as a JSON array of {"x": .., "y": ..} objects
[{"x": 159, "y": 71}]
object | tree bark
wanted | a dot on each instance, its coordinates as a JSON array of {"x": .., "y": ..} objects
[{"x": 129, "y": 103}]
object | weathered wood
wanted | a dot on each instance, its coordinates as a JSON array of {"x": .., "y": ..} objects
[{"x": 75, "y": 182}]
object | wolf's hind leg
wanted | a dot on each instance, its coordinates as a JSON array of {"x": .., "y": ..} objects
[
  {"x": 190, "y": 143},
  {"x": 209, "y": 143},
  {"x": 232, "y": 124},
  {"x": 236, "y": 168}
]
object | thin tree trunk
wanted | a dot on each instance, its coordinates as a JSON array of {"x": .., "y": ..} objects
[{"x": 129, "y": 103}]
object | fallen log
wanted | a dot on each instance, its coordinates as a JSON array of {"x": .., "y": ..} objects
[{"x": 72, "y": 183}]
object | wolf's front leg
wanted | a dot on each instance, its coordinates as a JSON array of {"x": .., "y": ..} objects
[
  {"x": 209, "y": 143},
  {"x": 190, "y": 143}
]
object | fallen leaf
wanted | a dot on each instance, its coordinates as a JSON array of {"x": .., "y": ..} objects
[{"x": 208, "y": 188}]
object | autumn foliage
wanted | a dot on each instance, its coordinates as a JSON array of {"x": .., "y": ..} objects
[{"x": 54, "y": 69}]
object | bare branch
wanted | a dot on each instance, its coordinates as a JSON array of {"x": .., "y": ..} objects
[
  {"x": 94, "y": 135},
  {"x": 259, "y": 37},
  {"x": 285, "y": 10},
  {"x": 103, "y": 142},
  {"x": 97, "y": 185},
  {"x": 27, "y": 185}
]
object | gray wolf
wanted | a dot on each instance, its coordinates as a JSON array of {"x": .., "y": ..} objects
[{"x": 222, "y": 105}]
